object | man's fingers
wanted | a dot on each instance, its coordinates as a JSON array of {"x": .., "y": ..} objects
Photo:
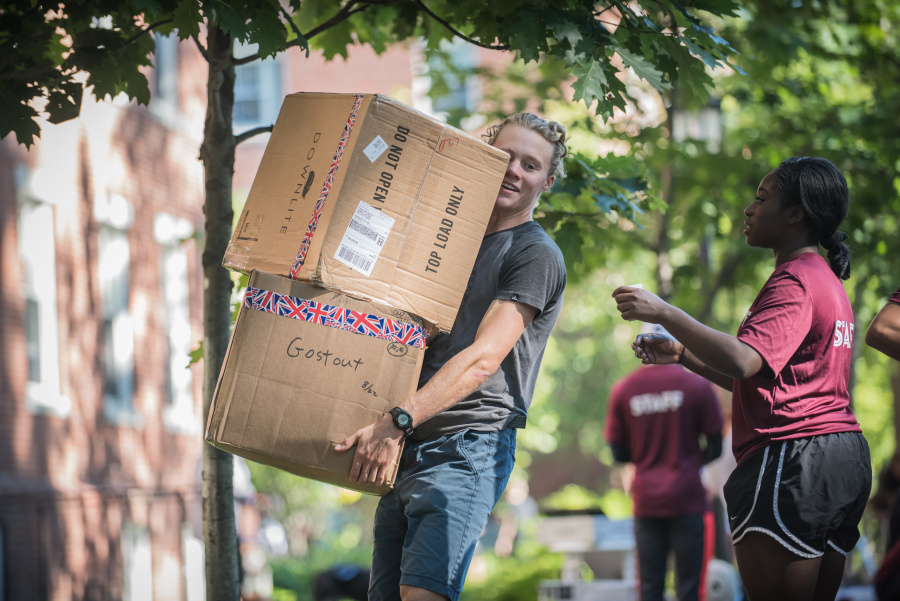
[
  {"x": 347, "y": 442},
  {"x": 356, "y": 471},
  {"x": 372, "y": 476}
]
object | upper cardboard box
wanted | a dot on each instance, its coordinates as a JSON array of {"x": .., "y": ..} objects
[{"x": 362, "y": 194}]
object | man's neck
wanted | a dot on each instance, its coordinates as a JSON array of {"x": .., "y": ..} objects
[{"x": 498, "y": 224}]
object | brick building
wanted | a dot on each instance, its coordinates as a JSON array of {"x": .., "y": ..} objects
[{"x": 101, "y": 282}]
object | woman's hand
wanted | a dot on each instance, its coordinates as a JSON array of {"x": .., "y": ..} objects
[
  {"x": 639, "y": 304},
  {"x": 657, "y": 349}
]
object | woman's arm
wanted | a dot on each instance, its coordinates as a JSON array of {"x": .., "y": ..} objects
[
  {"x": 660, "y": 349},
  {"x": 720, "y": 352}
]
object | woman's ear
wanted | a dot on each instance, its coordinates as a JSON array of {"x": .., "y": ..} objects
[{"x": 796, "y": 214}]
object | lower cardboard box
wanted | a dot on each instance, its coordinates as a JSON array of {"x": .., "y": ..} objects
[{"x": 307, "y": 367}]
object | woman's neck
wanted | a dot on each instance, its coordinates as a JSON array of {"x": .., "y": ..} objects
[{"x": 783, "y": 255}]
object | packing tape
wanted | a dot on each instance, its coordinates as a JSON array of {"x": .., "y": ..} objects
[
  {"x": 326, "y": 188},
  {"x": 335, "y": 317}
]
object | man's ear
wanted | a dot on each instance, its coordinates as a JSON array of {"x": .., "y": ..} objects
[{"x": 549, "y": 183}]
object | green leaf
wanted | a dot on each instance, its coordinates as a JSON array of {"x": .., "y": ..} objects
[
  {"x": 18, "y": 118},
  {"x": 187, "y": 18},
  {"x": 334, "y": 41},
  {"x": 591, "y": 82},
  {"x": 226, "y": 17},
  {"x": 268, "y": 31},
  {"x": 529, "y": 36},
  {"x": 709, "y": 59},
  {"x": 195, "y": 355},
  {"x": 692, "y": 77},
  {"x": 644, "y": 69},
  {"x": 64, "y": 103},
  {"x": 566, "y": 30}
]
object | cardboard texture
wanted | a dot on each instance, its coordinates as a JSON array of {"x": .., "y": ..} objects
[
  {"x": 378, "y": 200},
  {"x": 290, "y": 389}
]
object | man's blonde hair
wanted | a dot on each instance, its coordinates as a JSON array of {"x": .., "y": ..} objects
[{"x": 552, "y": 131}]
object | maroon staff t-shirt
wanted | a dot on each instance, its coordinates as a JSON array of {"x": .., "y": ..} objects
[
  {"x": 801, "y": 324},
  {"x": 659, "y": 411}
]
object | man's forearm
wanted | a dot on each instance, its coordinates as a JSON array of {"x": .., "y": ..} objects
[{"x": 457, "y": 379}]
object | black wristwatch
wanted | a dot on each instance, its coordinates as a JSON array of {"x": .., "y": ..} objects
[{"x": 403, "y": 420}]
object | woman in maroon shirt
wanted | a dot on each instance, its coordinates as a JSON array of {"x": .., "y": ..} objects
[{"x": 804, "y": 474}]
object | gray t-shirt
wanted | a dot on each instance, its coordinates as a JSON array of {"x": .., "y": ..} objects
[{"x": 520, "y": 264}]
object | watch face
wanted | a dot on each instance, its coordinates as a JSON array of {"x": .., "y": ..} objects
[{"x": 402, "y": 420}]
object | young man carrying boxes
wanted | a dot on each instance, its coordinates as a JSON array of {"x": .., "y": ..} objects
[
  {"x": 378, "y": 210},
  {"x": 476, "y": 386}
]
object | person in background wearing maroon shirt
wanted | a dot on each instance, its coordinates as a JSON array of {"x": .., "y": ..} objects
[
  {"x": 803, "y": 471},
  {"x": 884, "y": 335},
  {"x": 656, "y": 418}
]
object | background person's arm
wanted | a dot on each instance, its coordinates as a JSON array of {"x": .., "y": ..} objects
[
  {"x": 884, "y": 331},
  {"x": 497, "y": 334}
]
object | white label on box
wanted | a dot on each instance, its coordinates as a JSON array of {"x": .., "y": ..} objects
[
  {"x": 375, "y": 149},
  {"x": 365, "y": 237}
]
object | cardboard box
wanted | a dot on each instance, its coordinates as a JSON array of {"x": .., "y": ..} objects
[
  {"x": 362, "y": 194},
  {"x": 291, "y": 388}
]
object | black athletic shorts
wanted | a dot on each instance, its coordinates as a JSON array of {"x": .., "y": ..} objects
[{"x": 808, "y": 494}]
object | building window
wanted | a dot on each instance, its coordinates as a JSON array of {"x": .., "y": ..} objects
[
  {"x": 451, "y": 70},
  {"x": 137, "y": 563},
  {"x": 37, "y": 252},
  {"x": 171, "y": 233},
  {"x": 257, "y": 89},
  {"x": 115, "y": 216},
  {"x": 164, "y": 100}
]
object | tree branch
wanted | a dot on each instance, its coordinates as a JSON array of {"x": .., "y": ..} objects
[
  {"x": 458, "y": 34},
  {"x": 296, "y": 29},
  {"x": 200, "y": 47},
  {"x": 342, "y": 15},
  {"x": 252, "y": 132},
  {"x": 149, "y": 28}
]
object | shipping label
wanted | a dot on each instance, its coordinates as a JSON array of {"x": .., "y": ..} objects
[
  {"x": 364, "y": 238},
  {"x": 375, "y": 149}
]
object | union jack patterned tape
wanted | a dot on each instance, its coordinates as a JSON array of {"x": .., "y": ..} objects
[
  {"x": 335, "y": 317},
  {"x": 326, "y": 188}
]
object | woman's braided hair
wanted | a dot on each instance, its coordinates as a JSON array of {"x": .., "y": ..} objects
[{"x": 820, "y": 187}]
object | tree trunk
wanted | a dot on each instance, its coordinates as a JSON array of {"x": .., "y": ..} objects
[
  {"x": 217, "y": 155},
  {"x": 661, "y": 243}
]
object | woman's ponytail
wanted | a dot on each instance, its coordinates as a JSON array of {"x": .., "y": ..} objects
[{"x": 838, "y": 254}]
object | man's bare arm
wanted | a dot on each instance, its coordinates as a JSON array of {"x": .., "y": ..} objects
[{"x": 498, "y": 332}]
